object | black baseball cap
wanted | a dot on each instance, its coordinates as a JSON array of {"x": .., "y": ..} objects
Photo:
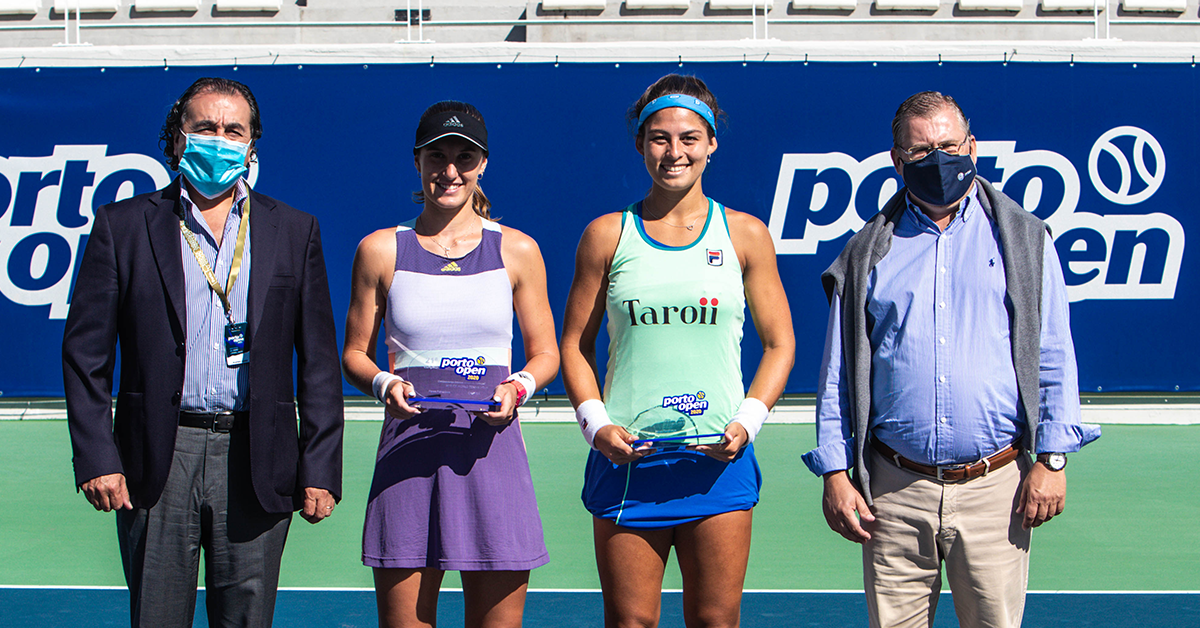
[{"x": 445, "y": 123}]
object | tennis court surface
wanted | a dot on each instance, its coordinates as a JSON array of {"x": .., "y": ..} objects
[{"x": 1125, "y": 553}]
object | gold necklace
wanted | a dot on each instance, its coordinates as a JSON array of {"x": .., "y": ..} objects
[
  {"x": 445, "y": 249},
  {"x": 688, "y": 227},
  {"x": 663, "y": 220}
]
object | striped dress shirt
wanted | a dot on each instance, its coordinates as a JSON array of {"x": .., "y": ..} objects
[{"x": 208, "y": 384}]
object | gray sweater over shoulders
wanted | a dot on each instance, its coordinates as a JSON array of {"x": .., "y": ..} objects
[{"x": 1022, "y": 238}]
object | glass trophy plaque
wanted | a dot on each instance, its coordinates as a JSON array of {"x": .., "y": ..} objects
[
  {"x": 462, "y": 380},
  {"x": 668, "y": 428}
]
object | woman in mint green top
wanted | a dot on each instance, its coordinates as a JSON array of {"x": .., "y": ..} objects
[{"x": 674, "y": 274}]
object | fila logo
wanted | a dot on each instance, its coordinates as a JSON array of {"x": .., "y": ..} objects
[
  {"x": 687, "y": 315},
  {"x": 714, "y": 257},
  {"x": 452, "y": 267},
  {"x": 453, "y": 121}
]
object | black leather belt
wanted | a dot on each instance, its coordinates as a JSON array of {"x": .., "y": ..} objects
[{"x": 222, "y": 422}]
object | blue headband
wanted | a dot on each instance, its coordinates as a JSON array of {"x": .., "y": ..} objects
[{"x": 678, "y": 100}]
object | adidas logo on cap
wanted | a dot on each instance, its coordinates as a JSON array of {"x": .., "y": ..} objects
[{"x": 453, "y": 121}]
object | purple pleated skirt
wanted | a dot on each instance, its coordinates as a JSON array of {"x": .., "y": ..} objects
[{"x": 453, "y": 493}]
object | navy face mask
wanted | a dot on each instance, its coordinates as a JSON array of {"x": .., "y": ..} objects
[{"x": 940, "y": 178}]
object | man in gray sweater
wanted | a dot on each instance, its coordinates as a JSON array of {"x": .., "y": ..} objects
[{"x": 948, "y": 361}]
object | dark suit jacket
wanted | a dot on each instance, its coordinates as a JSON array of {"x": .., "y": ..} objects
[{"x": 130, "y": 290}]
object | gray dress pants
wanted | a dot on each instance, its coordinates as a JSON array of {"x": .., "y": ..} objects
[{"x": 208, "y": 503}]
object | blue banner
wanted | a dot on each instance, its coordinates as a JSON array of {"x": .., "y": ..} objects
[{"x": 1102, "y": 152}]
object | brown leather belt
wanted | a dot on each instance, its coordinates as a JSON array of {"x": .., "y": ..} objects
[
  {"x": 951, "y": 473},
  {"x": 222, "y": 422}
]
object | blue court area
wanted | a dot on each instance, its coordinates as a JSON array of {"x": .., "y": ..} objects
[{"x": 72, "y": 608}]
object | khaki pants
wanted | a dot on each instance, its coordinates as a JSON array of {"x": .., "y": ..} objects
[{"x": 971, "y": 526}]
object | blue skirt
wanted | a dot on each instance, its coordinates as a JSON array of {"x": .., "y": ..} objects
[{"x": 670, "y": 488}]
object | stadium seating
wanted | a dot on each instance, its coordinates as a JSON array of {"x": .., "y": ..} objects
[
  {"x": 991, "y": 5},
  {"x": 249, "y": 5},
  {"x": 573, "y": 5},
  {"x": 166, "y": 5},
  {"x": 829, "y": 5},
  {"x": 19, "y": 7},
  {"x": 1073, "y": 5},
  {"x": 1164, "y": 6},
  {"x": 316, "y": 22},
  {"x": 634, "y": 5},
  {"x": 87, "y": 6},
  {"x": 723, "y": 5},
  {"x": 907, "y": 5}
]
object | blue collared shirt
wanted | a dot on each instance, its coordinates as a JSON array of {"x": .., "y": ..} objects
[
  {"x": 943, "y": 389},
  {"x": 208, "y": 384}
]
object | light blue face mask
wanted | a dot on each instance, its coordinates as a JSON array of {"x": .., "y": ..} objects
[{"x": 212, "y": 164}]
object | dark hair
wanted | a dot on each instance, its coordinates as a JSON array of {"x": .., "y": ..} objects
[
  {"x": 479, "y": 201},
  {"x": 925, "y": 105},
  {"x": 206, "y": 85},
  {"x": 675, "y": 84}
]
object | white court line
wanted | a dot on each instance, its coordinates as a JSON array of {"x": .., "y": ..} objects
[
  {"x": 790, "y": 412},
  {"x": 456, "y": 590},
  {"x": 786, "y": 414},
  {"x": 1116, "y": 592},
  {"x": 71, "y": 587}
]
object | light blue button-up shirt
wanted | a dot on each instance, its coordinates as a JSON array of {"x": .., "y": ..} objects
[
  {"x": 943, "y": 389},
  {"x": 208, "y": 384}
]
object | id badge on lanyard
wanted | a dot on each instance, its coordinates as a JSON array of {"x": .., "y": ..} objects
[{"x": 235, "y": 345}]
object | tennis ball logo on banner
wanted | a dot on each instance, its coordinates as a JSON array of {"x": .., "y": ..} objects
[
  {"x": 46, "y": 209},
  {"x": 819, "y": 197},
  {"x": 470, "y": 369},
  {"x": 689, "y": 404}
]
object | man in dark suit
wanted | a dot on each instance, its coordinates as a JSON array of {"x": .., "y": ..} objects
[{"x": 209, "y": 288}]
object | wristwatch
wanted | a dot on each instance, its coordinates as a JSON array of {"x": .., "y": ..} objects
[{"x": 1054, "y": 462}]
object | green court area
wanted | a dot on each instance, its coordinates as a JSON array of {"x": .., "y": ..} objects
[{"x": 1131, "y": 521}]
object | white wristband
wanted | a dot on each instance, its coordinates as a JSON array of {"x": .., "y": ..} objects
[
  {"x": 526, "y": 381},
  {"x": 382, "y": 382},
  {"x": 751, "y": 414},
  {"x": 592, "y": 416}
]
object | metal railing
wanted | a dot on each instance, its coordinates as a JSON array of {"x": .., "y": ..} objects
[
  {"x": 78, "y": 25},
  {"x": 1099, "y": 19}
]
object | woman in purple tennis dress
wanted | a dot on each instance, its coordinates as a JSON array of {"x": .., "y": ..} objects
[{"x": 452, "y": 489}]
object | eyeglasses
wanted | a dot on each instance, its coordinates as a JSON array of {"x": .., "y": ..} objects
[{"x": 919, "y": 152}]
